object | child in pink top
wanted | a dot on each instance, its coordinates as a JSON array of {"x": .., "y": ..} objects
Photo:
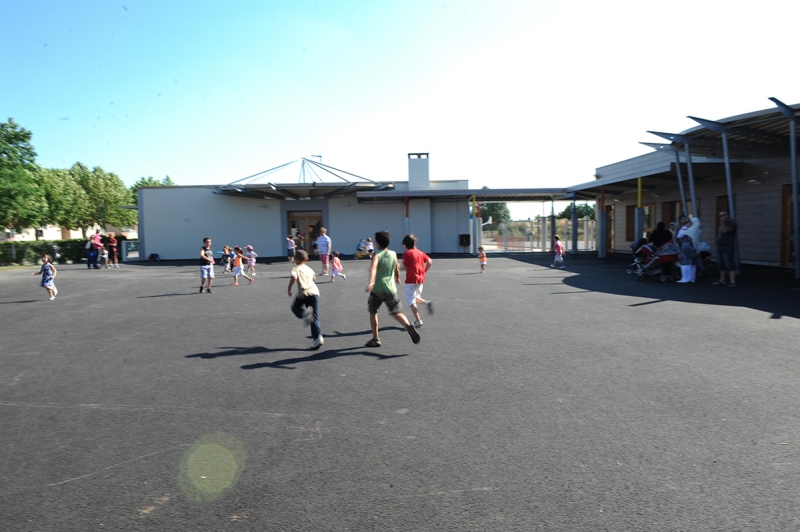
[
  {"x": 336, "y": 267},
  {"x": 559, "y": 251}
]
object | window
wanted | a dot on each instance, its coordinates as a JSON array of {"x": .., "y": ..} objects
[
  {"x": 671, "y": 210},
  {"x": 630, "y": 214}
]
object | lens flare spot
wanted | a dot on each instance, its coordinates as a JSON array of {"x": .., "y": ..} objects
[{"x": 212, "y": 466}]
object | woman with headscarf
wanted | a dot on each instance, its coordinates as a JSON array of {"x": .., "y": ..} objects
[{"x": 688, "y": 244}]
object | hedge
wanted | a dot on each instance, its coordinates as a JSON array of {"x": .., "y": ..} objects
[{"x": 29, "y": 252}]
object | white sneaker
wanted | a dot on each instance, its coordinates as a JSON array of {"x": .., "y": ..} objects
[
  {"x": 52, "y": 298},
  {"x": 55, "y": 291},
  {"x": 116, "y": 265},
  {"x": 318, "y": 342},
  {"x": 418, "y": 323}
]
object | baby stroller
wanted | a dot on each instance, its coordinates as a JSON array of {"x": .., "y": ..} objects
[
  {"x": 650, "y": 262},
  {"x": 705, "y": 265}
]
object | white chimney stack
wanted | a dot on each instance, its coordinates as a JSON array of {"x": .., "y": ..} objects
[{"x": 418, "y": 172}]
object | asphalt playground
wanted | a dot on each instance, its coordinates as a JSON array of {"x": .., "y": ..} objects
[{"x": 538, "y": 399}]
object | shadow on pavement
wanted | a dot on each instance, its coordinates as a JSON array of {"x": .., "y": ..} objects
[
  {"x": 767, "y": 289},
  {"x": 315, "y": 357}
]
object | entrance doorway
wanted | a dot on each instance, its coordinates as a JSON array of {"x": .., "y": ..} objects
[
  {"x": 610, "y": 228},
  {"x": 304, "y": 227}
]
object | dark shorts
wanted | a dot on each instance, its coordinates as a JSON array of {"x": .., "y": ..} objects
[
  {"x": 392, "y": 303},
  {"x": 290, "y": 253},
  {"x": 726, "y": 259}
]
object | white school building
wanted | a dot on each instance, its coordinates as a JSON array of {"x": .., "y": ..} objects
[{"x": 260, "y": 212}]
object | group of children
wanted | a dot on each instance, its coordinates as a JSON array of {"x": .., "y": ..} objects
[
  {"x": 558, "y": 250},
  {"x": 384, "y": 273},
  {"x": 234, "y": 257},
  {"x": 365, "y": 249}
]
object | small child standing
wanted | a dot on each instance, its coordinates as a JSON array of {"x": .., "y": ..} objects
[
  {"x": 104, "y": 256},
  {"x": 238, "y": 257},
  {"x": 416, "y": 264},
  {"x": 383, "y": 272},
  {"x": 336, "y": 267},
  {"x": 226, "y": 258},
  {"x": 482, "y": 259},
  {"x": 48, "y": 272},
  {"x": 251, "y": 260},
  {"x": 306, "y": 303},
  {"x": 558, "y": 248}
]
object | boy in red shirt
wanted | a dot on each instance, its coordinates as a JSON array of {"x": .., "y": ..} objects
[{"x": 416, "y": 264}]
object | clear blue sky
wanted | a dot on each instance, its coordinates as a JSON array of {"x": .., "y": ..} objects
[{"x": 503, "y": 93}]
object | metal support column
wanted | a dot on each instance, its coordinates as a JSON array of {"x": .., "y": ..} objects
[
  {"x": 602, "y": 245},
  {"x": 695, "y": 206},
  {"x": 552, "y": 223},
  {"x": 680, "y": 181},
  {"x": 574, "y": 224},
  {"x": 789, "y": 113},
  {"x": 723, "y": 130}
]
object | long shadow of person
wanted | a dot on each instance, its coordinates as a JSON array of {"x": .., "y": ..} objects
[
  {"x": 233, "y": 351},
  {"x": 324, "y": 355}
]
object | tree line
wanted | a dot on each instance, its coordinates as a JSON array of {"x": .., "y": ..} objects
[{"x": 71, "y": 198}]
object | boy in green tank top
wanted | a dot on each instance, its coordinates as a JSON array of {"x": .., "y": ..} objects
[{"x": 383, "y": 273}]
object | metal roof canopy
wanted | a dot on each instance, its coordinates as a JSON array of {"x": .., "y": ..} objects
[
  {"x": 493, "y": 195},
  {"x": 662, "y": 177},
  {"x": 757, "y": 135},
  {"x": 311, "y": 183}
]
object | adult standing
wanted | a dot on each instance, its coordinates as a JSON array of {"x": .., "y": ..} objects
[
  {"x": 113, "y": 258},
  {"x": 92, "y": 253},
  {"x": 324, "y": 248},
  {"x": 206, "y": 265},
  {"x": 290, "y": 248},
  {"x": 726, "y": 250},
  {"x": 660, "y": 236},
  {"x": 687, "y": 251}
]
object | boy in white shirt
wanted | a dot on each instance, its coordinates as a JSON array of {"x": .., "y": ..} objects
[{"x": 306, "y": 303}]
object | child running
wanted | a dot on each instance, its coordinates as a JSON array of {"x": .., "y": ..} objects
[
  {"x": 383, "y": 272},
  {"x": 48, "y": 272},
  {"x": 238, "y": 257},
  {"x": 482, "y": 259},
  {"x": 306, "y": 303},
  {"x": 558, "y": 248},
  {"x": 227, "y": 253},
  {"x": 251, "y": 260},
  {"x": 416, "y": 263},
  {"x": 336, "y": 267}
]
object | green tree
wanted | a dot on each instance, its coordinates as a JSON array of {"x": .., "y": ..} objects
[
  {"x": 584, "y": 211},
  {"x": 21, "y": 200},
  {"x": 149, "y": 182},
  {"x": 498, "y": 211},
  {"x": 106, "y": 194},
  {"x": 64, "y": 198},
  {"x": 15, "y": 145}
]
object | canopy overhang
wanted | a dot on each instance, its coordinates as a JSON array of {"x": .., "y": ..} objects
[{"x": 495, "y": 195}]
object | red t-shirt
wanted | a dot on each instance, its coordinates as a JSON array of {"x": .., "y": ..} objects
[{"x": 414, "y": 262}]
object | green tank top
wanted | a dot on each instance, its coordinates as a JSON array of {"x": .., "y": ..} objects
[{"x": 384, "y": 276}]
